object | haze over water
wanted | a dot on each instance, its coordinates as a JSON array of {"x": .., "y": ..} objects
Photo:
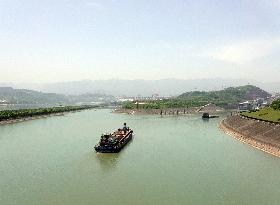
[{"x": 171, "y": 160}]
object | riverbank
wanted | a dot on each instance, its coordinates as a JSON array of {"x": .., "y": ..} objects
[
  {"x": 169, "y": 111},
  {"x": 262, "y": 135},
  {"x": 22, "y": 115},
  {"x": 12, "y": 121}
]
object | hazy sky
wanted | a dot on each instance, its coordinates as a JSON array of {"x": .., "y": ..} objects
[{"x": 63, "y": 40}]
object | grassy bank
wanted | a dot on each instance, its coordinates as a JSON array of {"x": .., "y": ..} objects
[
  {"x": 266, "y": 114},
  {"x": 23, "y": 113}
]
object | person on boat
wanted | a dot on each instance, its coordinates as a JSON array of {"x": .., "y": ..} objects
[{"x": 125, "y": 129}]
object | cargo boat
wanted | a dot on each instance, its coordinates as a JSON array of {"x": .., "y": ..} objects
[
  {"x": 114, "y": 142},
  {"x": 207, "y": 116}
]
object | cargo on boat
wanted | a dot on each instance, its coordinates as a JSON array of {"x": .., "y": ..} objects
[{"x": 114, "y": 142}]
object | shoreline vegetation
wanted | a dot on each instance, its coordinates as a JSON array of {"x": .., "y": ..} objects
[
  {"x": 21, "y": 115},
  {"x": 168, "y": 111},
  {"x": 259, "y": 134},
  {"x": 209, "y": 108}
]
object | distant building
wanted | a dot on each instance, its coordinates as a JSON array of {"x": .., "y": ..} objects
[
  {"x": 245, "y": 106},
  {"x": 3, "y": 101}
]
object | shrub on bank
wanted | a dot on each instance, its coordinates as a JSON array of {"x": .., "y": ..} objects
[{"x": 276, "y": 105}]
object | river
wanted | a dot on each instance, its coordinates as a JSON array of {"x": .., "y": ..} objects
[{"x": 171, "y": 160}]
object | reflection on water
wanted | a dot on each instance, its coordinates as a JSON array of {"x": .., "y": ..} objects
[
  {"x": 205, "y": 119},
  {"x": 108, "y": 161}
]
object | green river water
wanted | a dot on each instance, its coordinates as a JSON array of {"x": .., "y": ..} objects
[{"x": 171, "y": 160}]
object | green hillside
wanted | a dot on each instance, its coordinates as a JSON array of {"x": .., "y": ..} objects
[{"x": 227, "y": 98}]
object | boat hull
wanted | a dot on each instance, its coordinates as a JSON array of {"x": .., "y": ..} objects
[
  {"x": 108, "y": 149},
  {"x": 211, "y": 116}
]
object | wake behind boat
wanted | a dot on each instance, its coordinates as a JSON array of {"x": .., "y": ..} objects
[{"x": 114, "y": 142}]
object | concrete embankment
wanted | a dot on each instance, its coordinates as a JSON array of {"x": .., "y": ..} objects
[{"x": 259, "y": 134}]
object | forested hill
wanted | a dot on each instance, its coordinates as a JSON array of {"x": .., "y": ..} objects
[
  {"x": 9, "y": 95},
  {"x": 231, "y": 95},
  {"x": 227, "y": 98}
]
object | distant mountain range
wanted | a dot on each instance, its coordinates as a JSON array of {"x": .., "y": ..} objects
[
  {"x": 164, "y": 87},
  {"x": 9, "y": 95},
  {"x": 228, "y": 95}
]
